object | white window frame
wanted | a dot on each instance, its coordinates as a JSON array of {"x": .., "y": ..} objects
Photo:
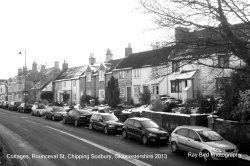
[
  {"x": 137, "y": 73},
  {"x": 121, "y": 74},
  {"x": 101, "y": 75},
  {"x": 137, "y": 89},
  {"x": 88, "y": 77},
  {"x": 101, "y": 94},
  {"x": 155, "y": 90},
  {"x": 122, "y": 91}
]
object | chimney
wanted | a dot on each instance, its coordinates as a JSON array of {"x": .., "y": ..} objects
[
  {"x": 128, "y": 50},
  {"x": 181, "y": 33},
  {"x": 64, "y": 66},
  {"x": 109, "y": 55},
  {"x": 43, "y": 68},
  {"x": 56, "y": 65},
  {"x": 92, "y": 59},
  {"x": 34, "y": 66},
  {"x": 20, "y": 71}
]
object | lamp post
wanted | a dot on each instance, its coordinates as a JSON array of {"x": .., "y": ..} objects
[{"x": 25, "y": 67}]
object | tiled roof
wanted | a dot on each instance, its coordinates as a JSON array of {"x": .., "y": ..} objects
[
  {"x": 72, "y": 72},
  {"x": 45, "y": 81},
  {"x": 112, "y": 64},
  {"x": 151, "y": 58}
]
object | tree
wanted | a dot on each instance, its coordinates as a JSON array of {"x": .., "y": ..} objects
[
  {"x": 208, "y": 27},
  {"x": 145, "y": 96},
  {"x": 47, "y": 95},
  {"x": 112, "y": 92}
]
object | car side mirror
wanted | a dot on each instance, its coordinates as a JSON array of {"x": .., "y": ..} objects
[{"x": 100, "y": 120}]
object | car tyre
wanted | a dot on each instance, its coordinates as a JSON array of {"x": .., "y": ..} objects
[
  {"x": 38, "y": 114},
  {"x": 53, "y": 118},
  {"x": 174, "y": 147},
  {"x": 106, "y": 131},
  {"x": 124, "y": 134},
  {"x": 45, "y": 116},
  {"x": 206, "y": 156},
  {"x": 90, "y": 126},
  {"x": 144, "y": 139},
  {"x": 76, "y": 123},
  {"x": 64, "y": 121}
]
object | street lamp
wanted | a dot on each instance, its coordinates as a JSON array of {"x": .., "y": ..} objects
[{"x": 25, "y": 67}]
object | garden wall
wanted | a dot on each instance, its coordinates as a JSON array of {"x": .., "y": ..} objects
[
  {"x": 170, "y": 121},
  {"x": 236, "y": 132}
]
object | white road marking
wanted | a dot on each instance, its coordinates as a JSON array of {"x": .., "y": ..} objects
[{"x": 131, "y": 160}]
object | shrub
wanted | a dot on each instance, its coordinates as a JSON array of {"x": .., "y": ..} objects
[
  {"x": 48, "y": 96},
  {"x": 145, "y": 96},
  {"x": 85, "y": 100},
  {"x": 157, "y": 105}
]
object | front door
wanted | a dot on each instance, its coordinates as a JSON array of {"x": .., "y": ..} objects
[{"x": 128, "y": 94}]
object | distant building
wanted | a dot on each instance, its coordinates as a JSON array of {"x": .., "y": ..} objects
[{"x": 3, "y": 90}]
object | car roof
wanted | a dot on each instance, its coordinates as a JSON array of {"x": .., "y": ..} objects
[
  {"x": 140, "y": 118},
  {"x": 196, "y": 128},
  {"x": 99, "y": 113}
]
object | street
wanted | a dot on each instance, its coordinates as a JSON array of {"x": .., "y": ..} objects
[{"x": 31, "y": 139}]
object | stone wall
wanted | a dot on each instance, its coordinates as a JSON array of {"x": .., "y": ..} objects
[
  {"x": 236, "y": 132},
  {"x": 170, "y": 121}
]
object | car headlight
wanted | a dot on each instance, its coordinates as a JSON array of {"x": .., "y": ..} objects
[
  {"x": 152, "y": 135},
  {"x": 111, "y": 126},
  {"x": 217, "y": 150}
]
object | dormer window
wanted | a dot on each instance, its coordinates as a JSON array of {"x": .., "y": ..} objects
[
  {"x": 101, "y": 75},
  {"x": 175, "y": 66}
]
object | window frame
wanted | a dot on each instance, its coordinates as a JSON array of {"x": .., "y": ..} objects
[{"x": 177, "y": 88}]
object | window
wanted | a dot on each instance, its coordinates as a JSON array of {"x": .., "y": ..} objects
[
  {"x": 64, "y": 83},
  {"x": 74, "y": 83},
  {"x": 137, "y": 124},
  {"x": 223, "y": 60},
  {"x": 137, "y": 89},
  {"x": 122, "y": 91},
  {"x": 89, "y": 77},
  {"x": 137, "y": 73},
  {"x": 101, "y": 94},
  {"x": 193, "y": 135},
  {"x": 145, "y": 87},
  {"x": 101, "y": 75},
  {"x": 155, "y": 89},
  {"x": 221, "y": 82},
  {"x": 121, "y": 75},
  {"x": 176, "y": 86},
  {"x": 175, "y": 66},
  {"x": 130, "y": 122},
  {"x": 184, "y": 132}
]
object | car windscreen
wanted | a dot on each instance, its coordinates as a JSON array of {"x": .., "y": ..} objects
[
  {"x": 208, "y": 135},
  {"x": 149, "y": 124},
  {"x": 41, "y": 107},
  {"x": 109, "y": 117},
  {"x": 58, "y": 109}
]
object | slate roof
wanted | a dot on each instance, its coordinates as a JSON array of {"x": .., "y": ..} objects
[
  {"x": 112, "y": 64},
  {"x": 72, "y": 72},
  {"x": 44, "y": 81},
  {"x": 151, "y": 58}
]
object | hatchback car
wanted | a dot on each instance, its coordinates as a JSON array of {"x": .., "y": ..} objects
[
  {"x": 13, "y": 105},
  {"x": 55, "y": 113},
  {"x": 145, "y": 130},
  {"x": 77, "y": 117},
  {"x": 24, "y": 107},
  {"x": 202, "y": 141},
  {"x": 106, "y": 122},
  {"x": 39, "y": 109}
]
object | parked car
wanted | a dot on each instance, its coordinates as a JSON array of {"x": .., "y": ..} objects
[
  {"x": 77, "y": 117},
  {"x": 24, "y": 107},
  {"x": 4, "y": 104},
  {"x": 202, "y": 141},
  {"x": 39, "y": 109},
  {"x": 106, "y": 122},
  {"x": 145, "y": 130},
  {"x": 13, "y": 105},
  {"x": 55, "y": 113}
]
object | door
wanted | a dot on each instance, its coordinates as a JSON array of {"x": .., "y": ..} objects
[
  {"x": 194, "y": 142},
  {"x": 182, "y": 139},
  {"x": 128, "y": 94},
  {"x": 137, "y": 130}
]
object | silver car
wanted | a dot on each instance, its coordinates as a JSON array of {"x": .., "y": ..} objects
[{"x": 202, "y": 142}]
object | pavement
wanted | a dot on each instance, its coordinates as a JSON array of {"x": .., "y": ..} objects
[{"x": 38, "y": 141}]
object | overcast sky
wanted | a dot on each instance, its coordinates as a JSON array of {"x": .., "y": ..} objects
[{"x": 54, "y": 30}]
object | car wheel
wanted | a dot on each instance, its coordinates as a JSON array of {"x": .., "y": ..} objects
[
  {"x": 32, "y": 113},
  {"x": 206, "y": 156},
  {"x": 124, "y": 134},
  {"x": 106, "y": 131},
  {"x": 53, "y": 118},
  {"x": 76, "y": 123},
  {"x": 38, "y": 114},
  {"x": 174, "y": 147},
  {"x": 144, "y": 139},
  {"x": 90, "y": 126},
  {"x": 64, "y": 121},
  {"x": 45, "y": 116}
]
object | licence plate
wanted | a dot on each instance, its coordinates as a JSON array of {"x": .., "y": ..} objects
[
  {"x": 163, "y": 137},
  {"x": 119, "y": 128}
]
